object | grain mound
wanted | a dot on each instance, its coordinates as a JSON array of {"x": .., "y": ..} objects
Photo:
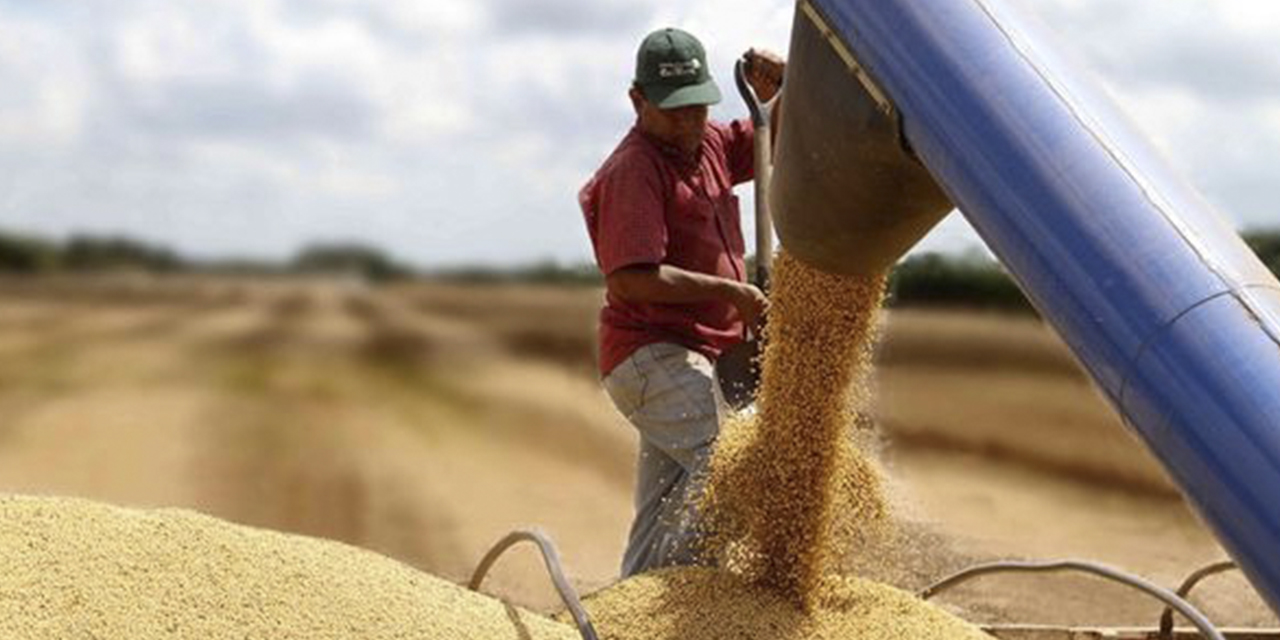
[
  {"x": 790, "y": 492},
  {"x": 77, "y": 569},
  {"x": 707, "y": 604}
]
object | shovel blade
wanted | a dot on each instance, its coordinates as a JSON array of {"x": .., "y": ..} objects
[{"x": 738, "y": 373}]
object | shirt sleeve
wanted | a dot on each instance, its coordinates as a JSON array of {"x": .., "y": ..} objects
[
  {"x": 740, "y": 136},
  {"x": 630, "y": 216}
]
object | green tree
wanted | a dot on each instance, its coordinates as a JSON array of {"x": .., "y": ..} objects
[
  {"x": 933, "y": 279},
  {"x": 24, "y": 254},
  {"x": 93, "y": 253},
  {"x": 350, "y": 259},
  {"x": 1265, "y": 243}
]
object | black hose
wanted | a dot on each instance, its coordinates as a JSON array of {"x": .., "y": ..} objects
[
  {"x": 1171, "y": 599},
  {"x": 552, "y": 559}
]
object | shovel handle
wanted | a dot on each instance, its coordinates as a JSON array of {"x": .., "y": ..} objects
[
  {"x": 759, "y": 112},
  {"x": 763, "y": 171}
]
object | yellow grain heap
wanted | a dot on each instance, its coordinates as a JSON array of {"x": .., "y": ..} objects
[
  {"x": 789, "y": 490},
  {"x": 706, "y": 604},
  {"x": 77, "y": 569}
]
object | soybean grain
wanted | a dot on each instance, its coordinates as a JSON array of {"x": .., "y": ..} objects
[
  {"x": 790, "y": 490},
  {"x": 79, "y": 569}
]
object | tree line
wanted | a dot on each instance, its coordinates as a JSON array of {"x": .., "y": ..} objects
[
  {"x": 25, "y": 254},
  {"x": 937, "y": 280},
  {"x": 929, "y": 279},
  {"x": 32, "y": 255}
]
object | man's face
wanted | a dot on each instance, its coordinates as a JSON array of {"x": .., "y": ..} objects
[{"x": 682, "y": 127}]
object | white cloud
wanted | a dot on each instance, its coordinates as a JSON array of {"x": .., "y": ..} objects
[
  {"x": 1196, "y": 77},
  {"x": 164, "y": 45},
  {"x": 435, "y": 17},
  {"x": 1250, "y": 15},
  {"x": 459, "y": 130},
  {"x": 1271, "y": 119},
  {"x": 43, "y": 99}
]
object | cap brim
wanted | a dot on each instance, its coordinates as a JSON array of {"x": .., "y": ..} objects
[{"x": 706, "y": 93}]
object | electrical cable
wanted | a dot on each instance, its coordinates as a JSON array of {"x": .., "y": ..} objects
[
  {"x": 1166, "y": 619},
  {"x": 1171, "y": 599},
  {"x": 552, "y": 559}
]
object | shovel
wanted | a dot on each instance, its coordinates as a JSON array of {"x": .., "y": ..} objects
[{"x": 738, "y": 368}]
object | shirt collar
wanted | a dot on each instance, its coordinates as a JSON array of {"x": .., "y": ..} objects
[{"x": 669, "y": 151}]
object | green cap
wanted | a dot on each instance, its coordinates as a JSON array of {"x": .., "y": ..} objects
[{"x": 672, "y": 72}]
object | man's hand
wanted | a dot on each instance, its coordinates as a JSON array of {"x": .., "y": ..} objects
[
  {"x": 764, "y": 71},
  {"x": 752, "y": 304}
]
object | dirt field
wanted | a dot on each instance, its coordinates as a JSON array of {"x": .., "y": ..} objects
[{"x": 425, "y": 421}]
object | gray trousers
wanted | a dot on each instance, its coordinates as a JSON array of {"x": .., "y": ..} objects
[{"x": 669, "y": 393}]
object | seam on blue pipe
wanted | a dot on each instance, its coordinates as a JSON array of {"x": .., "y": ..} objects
[
  {"x": 1241, "y": 295},
  {"x": 1122, "y": 399}
]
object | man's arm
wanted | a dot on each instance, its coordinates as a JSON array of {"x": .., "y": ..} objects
[{"x": 666, "y": 284}]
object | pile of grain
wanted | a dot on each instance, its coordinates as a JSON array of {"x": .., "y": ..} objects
[
  {"x": 789, "y": 489},
  {"x": 76, "y": 569},
  {"x": 706, "y": 604}
]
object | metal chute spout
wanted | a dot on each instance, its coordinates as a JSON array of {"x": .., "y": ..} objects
[
  {"x": 847, "y": 195},
  {"x": 1172, "y": 316}
]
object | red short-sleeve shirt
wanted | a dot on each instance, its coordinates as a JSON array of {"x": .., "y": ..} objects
[{"x": 649, "y": 205}]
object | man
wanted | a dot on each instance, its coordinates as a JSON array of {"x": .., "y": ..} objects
[{"x": 666, "y": 231}]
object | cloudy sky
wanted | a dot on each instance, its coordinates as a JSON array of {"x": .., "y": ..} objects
[{"x": 458, "y": 131}]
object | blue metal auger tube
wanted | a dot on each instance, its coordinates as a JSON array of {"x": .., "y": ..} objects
[{"x": 1175, "y": 319}]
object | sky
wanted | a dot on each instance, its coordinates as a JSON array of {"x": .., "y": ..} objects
[{"x": 453, "y": 132}]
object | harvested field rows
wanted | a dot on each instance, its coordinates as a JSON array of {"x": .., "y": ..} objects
[
  {"x": 316, "y": 409},
  {"x": 425, "y": 421}
]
